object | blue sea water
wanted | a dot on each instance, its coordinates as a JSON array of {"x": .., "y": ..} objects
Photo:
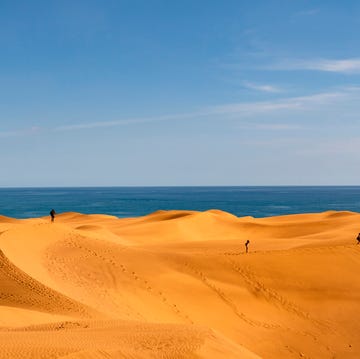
[{"x": 138, "y": 201}]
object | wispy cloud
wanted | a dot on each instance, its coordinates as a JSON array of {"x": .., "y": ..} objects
[
  {"x": 261, "y": 87},
  {"x": 240, "y": 111},
  {"x": 347, "y": 66},
  {"x": 124, "y": 122},
  {"x": 244, "y": 109},
  {"x": 293, "y": 103}
]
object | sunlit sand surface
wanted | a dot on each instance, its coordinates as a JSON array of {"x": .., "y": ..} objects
[{"x": 178, "y": 284}]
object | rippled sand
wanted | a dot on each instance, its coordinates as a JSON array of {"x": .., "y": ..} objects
[{"x": 178, "y": 284}]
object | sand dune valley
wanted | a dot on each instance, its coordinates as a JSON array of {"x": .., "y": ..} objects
[{"x": 178, "y": 284}]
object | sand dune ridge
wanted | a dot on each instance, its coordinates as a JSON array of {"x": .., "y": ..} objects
[{"x": 178, "y": 284}]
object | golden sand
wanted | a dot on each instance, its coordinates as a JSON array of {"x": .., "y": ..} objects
[{"x": 178, "y": 284}]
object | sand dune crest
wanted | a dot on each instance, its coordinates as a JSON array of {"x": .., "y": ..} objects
[{"x": 178, "y": 284}]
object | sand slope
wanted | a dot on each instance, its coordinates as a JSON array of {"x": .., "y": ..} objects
[{"x": 177, "y": 284}]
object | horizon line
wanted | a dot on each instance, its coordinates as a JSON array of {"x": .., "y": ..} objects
[{"x": 179, "y": 186}]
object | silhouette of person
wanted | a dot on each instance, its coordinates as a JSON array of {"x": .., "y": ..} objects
[
  {"x": 246, "y": 245},
  {"x": 52, "y": 215},
  {"x": 358, "y": 238}
]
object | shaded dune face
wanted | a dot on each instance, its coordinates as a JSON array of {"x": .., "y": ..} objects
[
  {"x": 178, "y": 284},
  {"x": 20, "y": 290}
]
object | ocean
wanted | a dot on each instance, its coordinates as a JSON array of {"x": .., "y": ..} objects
[{"x": 138, "y": 201}]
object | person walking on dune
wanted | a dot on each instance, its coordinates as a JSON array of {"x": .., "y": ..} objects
[
  {"x": 358, "y": 238},
  {"x": 246, "y": 246},
  {"x": 52, "y": 215}
]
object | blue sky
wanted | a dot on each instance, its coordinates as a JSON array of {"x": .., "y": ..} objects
[{"x": 179, "y": 92}]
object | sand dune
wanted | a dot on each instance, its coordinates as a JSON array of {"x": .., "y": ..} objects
[{"x": 177, "y": 284}]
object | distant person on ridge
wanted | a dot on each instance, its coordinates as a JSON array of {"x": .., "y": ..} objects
[
  {"x": 52, "y": 215},
  {"x": 247, "y": 244},
  {"x": 358, "y": 238}
]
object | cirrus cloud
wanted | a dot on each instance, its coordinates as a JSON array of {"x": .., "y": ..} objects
[{"x": 346, "y": 66}]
